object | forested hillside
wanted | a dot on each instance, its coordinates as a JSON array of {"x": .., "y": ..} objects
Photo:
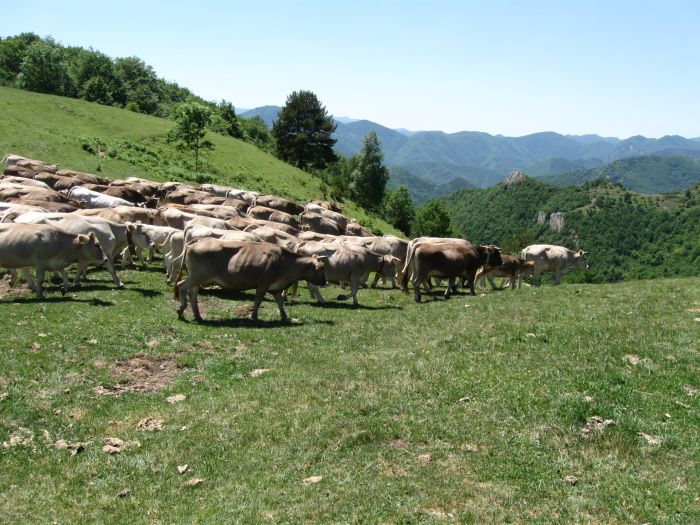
[
  {"x": 627, "y": 235},
  {"x": 648, "y": 174}
]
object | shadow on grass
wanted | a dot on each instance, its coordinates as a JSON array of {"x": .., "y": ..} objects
[
  {"x": 62, "y": 299},
  {"x": 349, "y": 306},
  {"x": 242, "y": 322}
]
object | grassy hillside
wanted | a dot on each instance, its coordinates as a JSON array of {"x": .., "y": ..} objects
[
  {"x": 472, "y": 410},
  {"x": 53, "y": 128},
  {"x": 628, "y": 235}
]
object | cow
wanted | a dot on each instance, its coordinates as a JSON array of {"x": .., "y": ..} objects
[
  {"x": 355, "y": 228},
  {"x": 320, "y": 224},
  {"x": 230, "y": 193},
  {"x": 274, "y": 236},
  {"x": 386, "y": 245},
  {"x": 511, "y": 267},
  {"x": 124, "y": 214},
  {"x": 35, "y": 194},
  {"x": 159, "y": 235},
  {"x": 94, "y": 199},
  {"x": 279, "y": 204},
  {"x": 202, "y": 232},
  {"x": 554, "y": 259},
  {"x": 112, "y": 237},
  {"x": 332, "y": 206},
  {"x": 24, "y": 182},
  {"x": 57, "y": 182},
  {"x": 338, "y": 218},
  {"x": 30, "y": 164},
  {"x": 88, "y": 178},
  {"x": 270, "y": 214},
  {"x": 46, "y": 247},
  {"x": 237, "y": 265},
  {"x": 447, "y": 260},
  {"x": 347, "y": 264},
  {"x": 56, "y": 207}
]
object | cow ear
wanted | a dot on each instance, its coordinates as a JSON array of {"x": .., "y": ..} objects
[
  {"x": 130, "y": 226},
  {"x": 581, "y": 253},
  {"x": 490, "y": 249}
]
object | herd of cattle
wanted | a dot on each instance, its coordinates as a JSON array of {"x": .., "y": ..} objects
[{"x": 51, "y": 218}]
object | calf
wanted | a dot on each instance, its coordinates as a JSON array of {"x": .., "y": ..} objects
[{"x": 511, "y": 267}]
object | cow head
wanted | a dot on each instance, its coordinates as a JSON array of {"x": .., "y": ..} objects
[
  {"x": 580, "y": 260},
  {"x": 90, "y": 248},
  {"x": 139, "y": 237},
  {"x": 318, "y": 275},
  {"x": 492, "y": 255}
]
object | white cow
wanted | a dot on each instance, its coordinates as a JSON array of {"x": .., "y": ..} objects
[
  {"x": 554, "y": 259},
  {"x": 94, "y": 199}
]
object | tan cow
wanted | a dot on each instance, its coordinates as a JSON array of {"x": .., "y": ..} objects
[
  {"x": 28, "y": 164},
  {"x": 46, "y": 247},
  {"x": 511, "y": 267},
  {"x": 554, "y": 259},
  {"x": 236, "y": 265},
  {"x": 319, "y": 224},
  {"x": 347, "y": 264}
]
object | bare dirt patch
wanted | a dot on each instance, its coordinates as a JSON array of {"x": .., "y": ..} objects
[{"x": 141, "y": 373}]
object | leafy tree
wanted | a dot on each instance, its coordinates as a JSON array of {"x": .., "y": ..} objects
[
  {"x": 432, "y": 220},
  {"x": 255, "y": 131},
  {"x": 12, "y": 52},
  {"x": 140, "y": 83},
  {"x": 192, "y": 120},
  {"x": 225, "y": 121},
  {"x": 368, "y": 180},
  {"x": 303, "y": 132},
  {"x": 399, "y": 209},
  {"x": 44, "y": 69}
]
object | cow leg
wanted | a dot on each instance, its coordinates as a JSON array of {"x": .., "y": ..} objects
[
  {"x": 417, "y": 283},
  {"x": 39, "y": 282},
  {"x": 557, "y": 277},
  {"x": 291, "y": 291},
  {"x": 13, "y": 277},
  {"x": 193, "y": 293},
  {"x": 450, "y": 285},
  {"x": 280, "y": 305},
  {"x": 376, "y": 280},
  {"x": 491, "y": 282},
  {"x": 27, "y": 274},
  {"x": 113, "y": 273},
  {"x": 79, "y": 273},
  {"x": 354, "y": 287},
  {"x": 183, "y": 289},
  {"x": 259, "y": 295},
  {"x": 66, "y": 284},
  {"x": 315, "y": 292}
]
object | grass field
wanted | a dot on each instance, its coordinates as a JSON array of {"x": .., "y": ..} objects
[{"x": 472, "y": 410}]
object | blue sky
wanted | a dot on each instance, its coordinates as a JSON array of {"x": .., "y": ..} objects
[{"x": 615, "y": 67}]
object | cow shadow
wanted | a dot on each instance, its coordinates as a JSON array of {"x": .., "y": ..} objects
[
  {"x": 336, "y": 305},
  {"x": 242, "y": 322},
  {"x": 60, "y": 299}
]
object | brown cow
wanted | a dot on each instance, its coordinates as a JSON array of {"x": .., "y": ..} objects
[
  {"x": 320, "y": 224},
  {"x": 511, "y": 267},
  {"x": 236, "y": 265},
  {"x": 279, "y": 204},
  {"x": 450, "y": 260},
  {"x": 270, "y": 214},
  {"x": 85, "y": 177},
  {"x": 123, "y": 214}
]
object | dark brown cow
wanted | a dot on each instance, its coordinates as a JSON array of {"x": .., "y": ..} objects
[
  {"x": 278, "y": 203},
  {"x": 447, "y": 261},
  {"x": 511, "y": 267},
  {"x": 85, "y": 177},
  {"x": 236, "y": 265},
  {"x": 320, "y": 224},
  {"x": 271, "y": 214}
]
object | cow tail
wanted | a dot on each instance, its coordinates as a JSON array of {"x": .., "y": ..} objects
[
  {"x": 405, "y": 276},
  {"x": 176, "y": 291}
]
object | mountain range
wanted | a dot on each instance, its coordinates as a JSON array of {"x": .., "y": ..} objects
[{"x": 471, "y": 158}]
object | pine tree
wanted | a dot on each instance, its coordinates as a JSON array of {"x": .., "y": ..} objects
[{"x": 303, "y": 132}]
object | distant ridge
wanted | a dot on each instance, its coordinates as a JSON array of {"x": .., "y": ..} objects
[{"x": 482, "y": 160}]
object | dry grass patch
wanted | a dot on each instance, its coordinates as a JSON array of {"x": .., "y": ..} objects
[{"x": 141, "y": 373}]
